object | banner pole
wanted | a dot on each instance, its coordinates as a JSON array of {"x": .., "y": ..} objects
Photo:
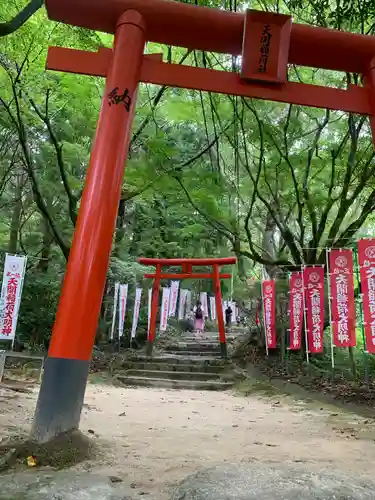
[
  {"x": 305, "y": 316},
  {"x": 365, "y": 353},
  {"x": 118, "y": 341},
  {"x": 330, "y": 311}
]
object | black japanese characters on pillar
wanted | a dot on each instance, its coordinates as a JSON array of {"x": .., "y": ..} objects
[{"x": 115, "y": 98}]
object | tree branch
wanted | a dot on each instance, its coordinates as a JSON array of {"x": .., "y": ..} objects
[
  {"x": 310, "y": 207},
  {"x": 220, "y": 227},
  {"x": 351, "y": 230},
  {"x": 72, "y": 199},
  {"x": 284, "y": 230},
  {"x": 28, "y": 162},
  {"x": 21, "y": 18}
]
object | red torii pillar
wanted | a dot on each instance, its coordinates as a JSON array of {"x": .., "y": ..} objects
[
  {"x": 187, "y": 265},
  {"x": 66, "y": 369}
]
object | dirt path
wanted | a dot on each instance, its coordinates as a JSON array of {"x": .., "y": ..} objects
[{"x": 154, "y": 438}]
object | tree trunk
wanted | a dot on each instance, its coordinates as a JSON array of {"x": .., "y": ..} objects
[
  {"x": 240, "y": 259},
  {"x": 352, "y": 362},
  {"x": 47, "y": 243},
  {"x": 102, "y": 329},
  {"x": 16, "y": 216},
  {"x": 120, "y": 228},
  {"x": 268, "y": 244},
  {"x": 282, "y": 320}
]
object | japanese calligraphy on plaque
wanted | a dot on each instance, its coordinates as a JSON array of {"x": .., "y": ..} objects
[
  {"x": 265, "y": 41},
  {"x": 265, "y": 48}
]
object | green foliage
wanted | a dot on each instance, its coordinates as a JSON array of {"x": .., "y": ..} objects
[{"x": 38, "y": 307}]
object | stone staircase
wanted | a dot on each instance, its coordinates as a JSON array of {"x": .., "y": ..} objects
[{"x": 188, "y": 363}]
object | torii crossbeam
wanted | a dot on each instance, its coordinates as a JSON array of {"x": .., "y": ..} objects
[{"x": 267, "y": 43}]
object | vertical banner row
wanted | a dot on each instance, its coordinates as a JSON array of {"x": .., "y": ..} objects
[{"x": 307, "y": 296}]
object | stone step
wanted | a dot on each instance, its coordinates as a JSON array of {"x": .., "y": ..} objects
[
  {"x": 192, "y": 338},
  {"x": 197, "y": 385},
  {"x": 177, "y": 367},
  {"x": 232, "y": 329},
  {"x": 208, "y": 340},
  {"x": 211, "y": 332},
  {"x": 171, "y": 375},
  {"x": 203, "y": 334},
  {"x": 183, "y": 353},
  {"x": 182, "y": 358},
  {"x": 193, "y": 346}
]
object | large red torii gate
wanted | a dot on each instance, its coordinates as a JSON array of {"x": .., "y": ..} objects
[
  {"x": 267, "y": 42},
  {"x": 187, "y": 273}
]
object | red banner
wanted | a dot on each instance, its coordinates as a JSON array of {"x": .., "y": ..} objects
[
  {"x": 313, "y": 280},
  {"x": 268, "y": 291},
  {"x": 342, "y": 294},
  {"x": 366, "y": 258},
  {"x": 295, "y": 310}
]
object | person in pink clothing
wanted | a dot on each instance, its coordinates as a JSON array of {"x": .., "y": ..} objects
[{"x": 198, "y": 317}]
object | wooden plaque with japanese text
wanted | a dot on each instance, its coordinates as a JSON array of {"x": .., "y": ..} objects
[{"x": 265, "y": 46}]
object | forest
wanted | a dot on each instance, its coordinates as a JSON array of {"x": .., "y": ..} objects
[{"x": 207, "y": 174}]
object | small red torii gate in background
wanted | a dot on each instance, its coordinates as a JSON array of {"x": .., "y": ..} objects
[
  {"x": 267, "y": 42},
  {"x": 187, "y": 273}
]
